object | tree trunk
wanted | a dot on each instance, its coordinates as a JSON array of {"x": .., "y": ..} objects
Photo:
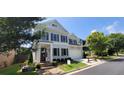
[{"x": 117, "y": 53}]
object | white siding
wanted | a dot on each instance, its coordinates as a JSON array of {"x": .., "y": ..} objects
[
  {"x": 75, "y": 52},
  {"x": 60, "y": 45}
]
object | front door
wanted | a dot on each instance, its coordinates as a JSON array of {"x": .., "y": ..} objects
[{"x": 43, "y": 54}]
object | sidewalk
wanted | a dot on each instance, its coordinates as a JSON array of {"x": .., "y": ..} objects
[{"x": 91, "y": 61}]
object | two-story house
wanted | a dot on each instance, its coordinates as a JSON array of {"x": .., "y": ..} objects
[{"x": 56, "y": 43}]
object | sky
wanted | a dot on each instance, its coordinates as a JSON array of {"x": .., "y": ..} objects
[{"x": 83, "y": 26}]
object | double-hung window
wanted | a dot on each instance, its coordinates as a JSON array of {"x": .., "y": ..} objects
[
  {"x": 54, "y": 37},
  {"x": 63, "y": 38},
  {"x": 55, "y": 51},
  {"x": 64, "y": 52},
  {"x": 72, "y": 42},
  {"x": 45, "y": 36}
]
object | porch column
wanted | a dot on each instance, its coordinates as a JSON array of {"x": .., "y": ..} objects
[
  {"x": 51, "y": 52},
  {"x": 38, "y": 55},
  {"x": 34, "y": 57}
]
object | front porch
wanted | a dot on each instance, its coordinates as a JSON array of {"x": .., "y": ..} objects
[{"x": 43, "y": 54}]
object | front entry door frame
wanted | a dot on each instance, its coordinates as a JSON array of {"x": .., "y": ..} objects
[{"x": 43, "y": 54}]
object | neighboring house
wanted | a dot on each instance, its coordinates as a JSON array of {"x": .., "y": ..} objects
[{"x": 56, "y": 43}]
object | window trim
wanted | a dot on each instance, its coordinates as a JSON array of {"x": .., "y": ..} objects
[
  {"x": 64, "y": 39},
  {"x": 64, "y": 51},
  {"x": 57, "y": 51},
  {"x": 54, "y": 37}
]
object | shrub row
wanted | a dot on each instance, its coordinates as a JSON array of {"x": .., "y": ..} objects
[{"x": 59, "y": 61}]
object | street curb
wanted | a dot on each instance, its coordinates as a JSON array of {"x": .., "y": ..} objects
[{"x": 76, "y": 71}]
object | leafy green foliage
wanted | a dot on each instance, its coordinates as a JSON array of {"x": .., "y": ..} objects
[
  {"x": 15, "y": 31},
  {"x": 97, "y": 42},
  {"x": 30, "y": 59},
  {"x": 105, "y": 45},
  {"x": 116, "y": 41},
  {"x": 13, "y": 70}
]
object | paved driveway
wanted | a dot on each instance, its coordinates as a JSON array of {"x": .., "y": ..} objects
[{"x": 115, "y": 67}]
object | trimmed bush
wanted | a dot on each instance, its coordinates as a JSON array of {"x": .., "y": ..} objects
[
  {"x": 38, "y": 66},
  {"x": 55, "y": 63},
  {"x": 58, "y": 60},
  {"x": 54, "y": 59}
]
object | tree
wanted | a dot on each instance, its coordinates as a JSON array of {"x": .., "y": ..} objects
[
  {"x": 97, "y": 43},
  {"x": 36, "y": 36},
  {"x": 16, "y": 31},
  {"x": 116, "y": 40}
]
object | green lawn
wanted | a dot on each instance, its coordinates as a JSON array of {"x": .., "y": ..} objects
[
  {"x": 12, "y": 70},
  {"x": 109, "y": 58},
  {"x": 73, "y": 66}
]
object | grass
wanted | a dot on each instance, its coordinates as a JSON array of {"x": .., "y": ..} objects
[
  {"x": 110, "y": 58},
  {"x": 12, "y": 70},
  {"x": 73, "y": 66}
]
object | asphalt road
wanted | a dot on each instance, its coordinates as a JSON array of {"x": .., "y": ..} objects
[{"x": 115, "y": 67}]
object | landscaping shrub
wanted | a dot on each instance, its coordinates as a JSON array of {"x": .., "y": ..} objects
[
  {"x": 55, "y": 63},
  {"x": 58, "y": 60},
  {"x": 70, "y": 58},
  {"x": 30, "y": 60},
  {"x": 25, "y": 63},
  {"x": 54, "y": 59},
  {"x": 38, "y": 66},
  {"x": 101, "y": 54},
  {"x": 111, "y": 52},
  {"x": 62, "y": 60},
  {"x": 84, "y": 55},
  {"x": 104, "y": 54},
  {"x": 66, "y": 59}
]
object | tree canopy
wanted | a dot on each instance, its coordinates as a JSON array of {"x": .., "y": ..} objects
[
  {"x": 116, "y": 41},
  {"x": 99, "y": 43},
  {"x": 15, "y": 31}
]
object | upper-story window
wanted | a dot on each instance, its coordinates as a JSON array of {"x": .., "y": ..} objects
[
  {"x": 54, "y": 37},
  {"x": 72, "y": 42},
  {"x": 75, "y": 42},
  {"x": 63, "y": 38},
  {"x": 82, "y": 42},
  {"x": 45, "y": 36}
]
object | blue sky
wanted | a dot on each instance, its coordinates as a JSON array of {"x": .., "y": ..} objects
[{"x": 83, "y": 26}]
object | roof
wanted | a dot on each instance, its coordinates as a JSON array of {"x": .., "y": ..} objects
[{"x": 54, "y": 21}]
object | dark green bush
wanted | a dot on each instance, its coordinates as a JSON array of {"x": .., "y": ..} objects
[
  {"x": 55, "y": 63},
  {"x": 111, "y": 52},
  {"x": 30, "y": 59},
  {"x": 38, "y": 66}
]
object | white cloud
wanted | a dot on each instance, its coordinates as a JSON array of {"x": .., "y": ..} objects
[
  {"x": 113, "y": 28},
  {"x": 94, "y": 30}
]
